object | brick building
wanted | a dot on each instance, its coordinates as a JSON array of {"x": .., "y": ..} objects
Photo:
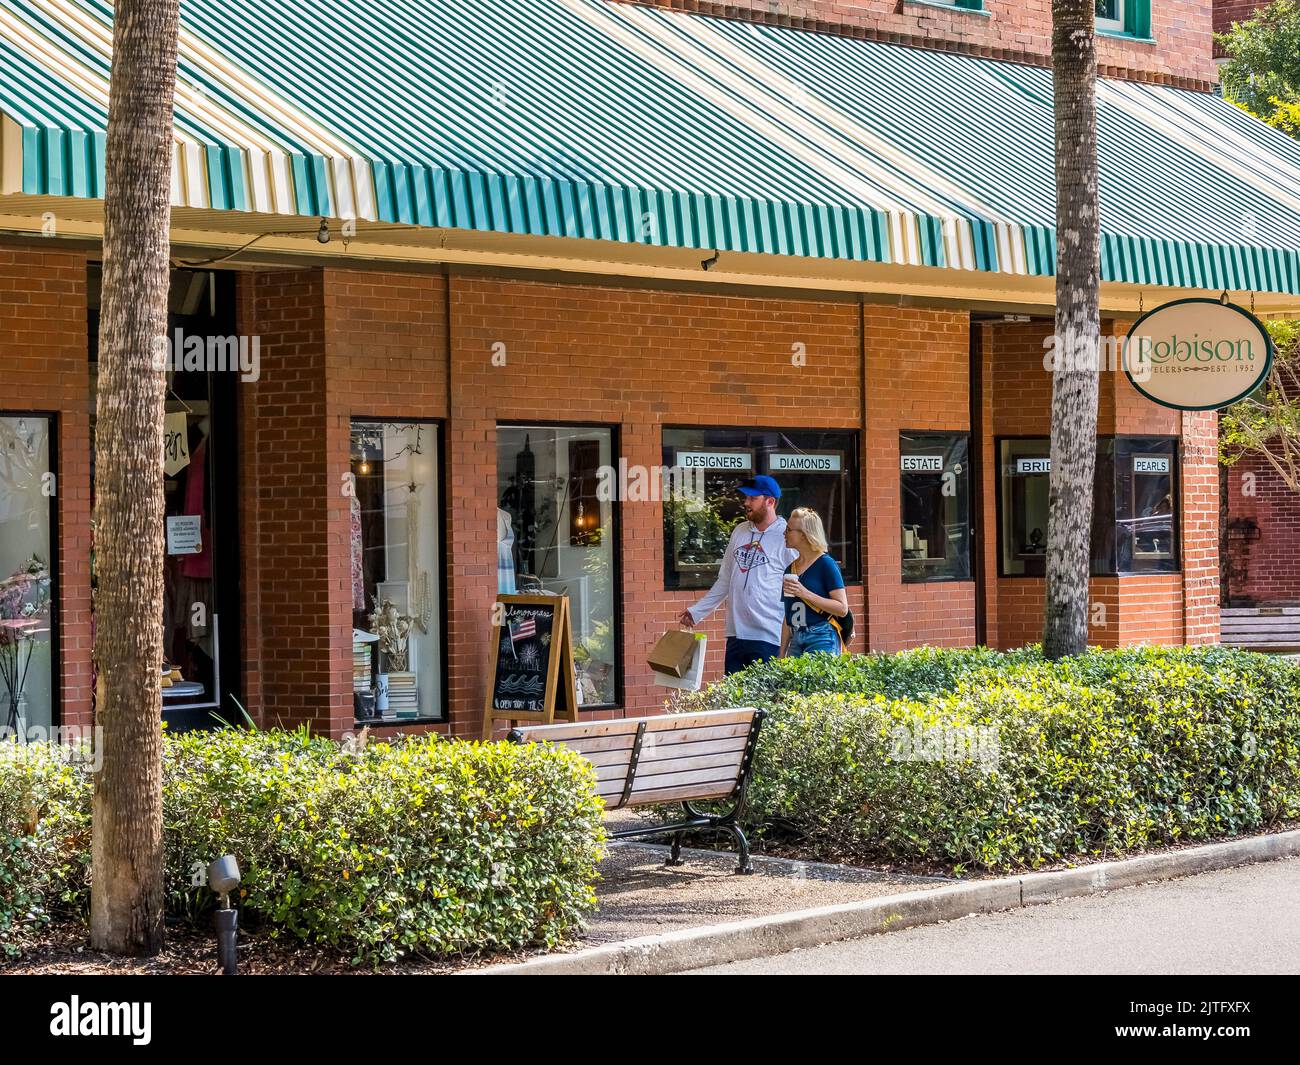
[
  {"x": 485, "y": 258},
  {"x": 1262, "y": 539},
  {"x": 1227, "y": 12}
]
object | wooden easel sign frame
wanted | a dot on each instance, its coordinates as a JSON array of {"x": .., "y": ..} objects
[{"x": 531, "y": 676}]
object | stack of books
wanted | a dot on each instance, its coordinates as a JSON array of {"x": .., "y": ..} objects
[
  {"x": 403, "y": 696},
  {"x": 361, "y": 681}
]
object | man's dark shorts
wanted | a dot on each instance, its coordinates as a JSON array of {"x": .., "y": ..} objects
[{"x": 742, "y": 653}]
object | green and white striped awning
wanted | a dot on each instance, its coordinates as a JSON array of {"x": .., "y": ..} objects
[{"x": 610, "y": 121}]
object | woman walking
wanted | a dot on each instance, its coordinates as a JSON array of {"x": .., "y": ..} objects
[{"x": 813, "y": 590}]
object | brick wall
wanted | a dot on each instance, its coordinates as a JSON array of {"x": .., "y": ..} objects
[
  {"x": 338, "y": 344},
  {"x": 640, "y": 360},
  {"x": 1156, "y": 608},
  {"x": 44, "y": 366},
  {"x": 1264, "y": 535},
  {"x": 1017, "y": 30},
  {"x": 291, "y": 661},
  {"x": 1226, "y": 12},
  {"x": 917, "y": 373}
]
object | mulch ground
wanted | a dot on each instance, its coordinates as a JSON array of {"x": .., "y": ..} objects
[{"x": 63, "y": 951}]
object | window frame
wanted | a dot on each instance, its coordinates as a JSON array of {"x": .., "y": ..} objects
[
  {"x": 972, "y": 560},
  {"x": 975, "y": 7},
  {"x": 855, "y": 577},
  {"x": 616, "y": 534},
  {"x": 439, "y": 431},
  {"x": 56, "y": 577},
  {"x": 1134, "y": 21},
  {"x": 1175, "y": 476},
  {"x": 1119, "y": 23}
]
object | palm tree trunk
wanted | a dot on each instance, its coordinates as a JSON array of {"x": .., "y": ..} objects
[
  {"x": 1078, "y": 329},
  {"x": 127, "y": 881}
]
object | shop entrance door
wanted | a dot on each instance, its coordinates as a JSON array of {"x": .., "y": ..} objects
[{"x": 201, "y": 603}]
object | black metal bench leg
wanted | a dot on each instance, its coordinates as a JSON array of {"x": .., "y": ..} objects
[
  {"x": 675, "y": 854},
  {"x": 746, "y": 865}
]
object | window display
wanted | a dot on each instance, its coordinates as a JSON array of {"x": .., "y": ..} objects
[
  {"x": 27, "y": 668},
  {"x": 815, "y": 468},
  {"x": 1142, "y": 525},
  {"x": 1026, "y": 470},
  {"x": 936, "y": 535},
  {"x": 395, "y": 571},
  {"x": 1135, "y": 506},
  {"x": 201, "y": 614},
  {"x": 559, "y": 536}
]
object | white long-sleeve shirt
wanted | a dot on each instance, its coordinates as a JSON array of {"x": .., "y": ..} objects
[{"x": 750, "y": 582}]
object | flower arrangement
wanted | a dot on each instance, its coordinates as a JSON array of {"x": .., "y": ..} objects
[{"x": 24, "y": 613}]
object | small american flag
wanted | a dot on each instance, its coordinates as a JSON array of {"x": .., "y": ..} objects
[{"x": 524, "y": 629}]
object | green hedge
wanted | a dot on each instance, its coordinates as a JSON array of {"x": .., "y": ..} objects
[
  {"x": 418, "y": 847},
  {"x": 975, "y": 759}
]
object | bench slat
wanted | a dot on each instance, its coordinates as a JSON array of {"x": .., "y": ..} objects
[
  {"x": 602, "y": 758},
  {"x": 665, "y": 752},
  {"x": 722, "y": 790},
  {"x": 727, "y": 759},
  {"x": 693, "y": 776},
  {"x": 628, "y": 725},
  {"x": 663, "y": 767}
]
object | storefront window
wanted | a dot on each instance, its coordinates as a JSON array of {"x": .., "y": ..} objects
[
  {"x": 1026, "y": 471},
  {"x": 396, "y": 588},
  {"x": 27, "y": 679},
  {"x": 936, "y": 535},
  {"x": 814, "y": 469},
  {"x": 1134, "y": 523},
  {"x": 556, "y": 534},
  {"x": 201, "y": 614},
  {"x": 1143, "y": 471}
]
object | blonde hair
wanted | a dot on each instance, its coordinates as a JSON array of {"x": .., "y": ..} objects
[{"x": 807, "y": 521}]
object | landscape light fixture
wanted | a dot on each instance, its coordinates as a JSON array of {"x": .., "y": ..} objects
[{"x": 223, "y": 878}]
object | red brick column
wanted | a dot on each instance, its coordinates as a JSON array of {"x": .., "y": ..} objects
[
  {"x": 1200, "y": 553},
  {"x": 917, "y": 366},
  {"x": 295, "y": 653},
  {"x": 44, "y": 366}
]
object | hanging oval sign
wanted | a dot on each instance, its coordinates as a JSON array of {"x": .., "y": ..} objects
[{"x": 1197, "y": 354}]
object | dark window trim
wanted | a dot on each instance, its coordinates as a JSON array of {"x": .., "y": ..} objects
[
  {"x": 970, "y": 506},
  {"x": 1176, "y": 476},
  {"x": 997, "y": 502},
  {"x": 859, "y": 578},
  {"x": 439, "y": 427},
  {"x": 56, "y": 577},
  {"x": 615, "y": 453},
  {"x": 1175, "y": 489}
]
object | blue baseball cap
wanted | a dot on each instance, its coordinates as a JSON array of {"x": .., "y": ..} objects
[{"x": 762, "y": 485}]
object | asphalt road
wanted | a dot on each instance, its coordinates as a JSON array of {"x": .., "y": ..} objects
[{"x": 1244, "y": 920}]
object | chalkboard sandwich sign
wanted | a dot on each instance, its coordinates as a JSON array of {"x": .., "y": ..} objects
[{"x": 531, "y": 677}]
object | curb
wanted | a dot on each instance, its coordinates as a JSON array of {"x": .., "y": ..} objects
[{"x": 697, "y": 948}]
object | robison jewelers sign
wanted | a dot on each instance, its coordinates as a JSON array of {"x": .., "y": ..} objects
[{"x": 1197, "y": 354}]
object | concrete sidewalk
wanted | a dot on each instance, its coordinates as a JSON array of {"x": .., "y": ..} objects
[
  {"x": 640, "y": 896},
  {"x": 656, "y": 921}
]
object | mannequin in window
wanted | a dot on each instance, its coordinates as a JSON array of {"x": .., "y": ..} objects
[{"x": 505, "y": 553}]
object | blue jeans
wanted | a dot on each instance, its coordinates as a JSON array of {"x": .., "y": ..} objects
[
  {"x": 742, "y": 653},
  {"x": 819, "y": 637}
]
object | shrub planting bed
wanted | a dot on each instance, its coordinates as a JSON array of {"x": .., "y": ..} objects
[
  {"x": 419, "y": 847},
  {"x": 979, "y": 760}
]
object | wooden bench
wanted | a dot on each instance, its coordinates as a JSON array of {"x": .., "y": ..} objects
[
  {"x": 1271, "y": 629},
  {"x": 670, "y": 758}
]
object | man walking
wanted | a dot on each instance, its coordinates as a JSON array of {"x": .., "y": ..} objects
[{"x": 750, "y": 580}]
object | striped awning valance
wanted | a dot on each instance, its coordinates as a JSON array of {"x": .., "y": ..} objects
[{"x": 610, "y": 121}]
